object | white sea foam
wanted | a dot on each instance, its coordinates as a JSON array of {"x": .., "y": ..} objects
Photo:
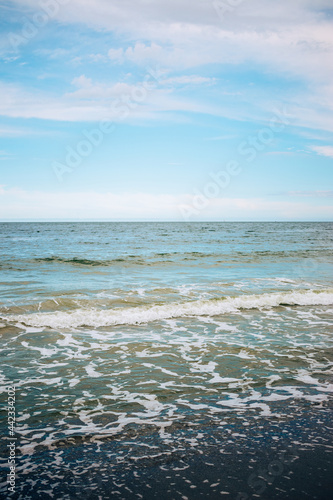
[
  {"x": 43, "y": 351},
  {"x": 145, "y": 314},
  {"x": 92, "y": 372}
]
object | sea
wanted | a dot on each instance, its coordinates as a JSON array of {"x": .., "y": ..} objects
[{"x": 166, "y": 360}]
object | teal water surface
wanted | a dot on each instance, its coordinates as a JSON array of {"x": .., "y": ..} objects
[{"x": 173, "y": 359}]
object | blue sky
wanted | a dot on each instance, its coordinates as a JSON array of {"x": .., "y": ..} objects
[{"x": 166, "y": 110}]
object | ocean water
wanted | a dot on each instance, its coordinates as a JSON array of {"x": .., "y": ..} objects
[{"x": 168, "y": 360}]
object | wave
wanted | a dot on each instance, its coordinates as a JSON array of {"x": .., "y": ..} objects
[
  {"x": 86, "y": 262},
  {"x": 148, "y": 260},
  {"x": 181, "y": 257},
  {"x": 92, "y": 317},
  {"x": 126, "y": 260}
]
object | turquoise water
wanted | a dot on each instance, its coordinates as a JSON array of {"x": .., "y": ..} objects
[{"x": 168, "y": 359}]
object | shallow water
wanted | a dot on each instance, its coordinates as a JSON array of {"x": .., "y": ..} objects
[{"x": 143, "y": 352}]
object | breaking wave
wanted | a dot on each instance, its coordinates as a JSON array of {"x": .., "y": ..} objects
[{"x": 93, "y": 317}]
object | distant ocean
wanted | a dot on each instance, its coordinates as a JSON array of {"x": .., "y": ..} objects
[{"x": 168, "y": 360}]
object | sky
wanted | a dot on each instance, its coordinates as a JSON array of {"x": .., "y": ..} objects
[{"x": 180, "y": 110}]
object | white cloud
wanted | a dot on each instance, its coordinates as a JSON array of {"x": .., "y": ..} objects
[
  {"x": 4, "y": 154},
  {"x": 324, "y": 150},
  {"x": 97, "y": 101},
  {"x": 128, "y": 14},
  {"x": 13, "y": 131},
  {"x": 116, "y": 55},
  {"x": 54, "y": 53},
  {"x": 225, "y": 137},
  {"x": 82, "y": 82},
  {"x": 18, "y": 203},
  {"x": 97, "y": 58},
  {"x": 188, "y": 80},
  {"x": 316, "y": 194},
  {"x": 290, "y": 38}
]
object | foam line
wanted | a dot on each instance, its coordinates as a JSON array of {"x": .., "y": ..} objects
[{"x": 145, "y": 314}]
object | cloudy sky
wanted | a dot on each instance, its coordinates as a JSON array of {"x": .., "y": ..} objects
[{"x": 166, "y": 109}]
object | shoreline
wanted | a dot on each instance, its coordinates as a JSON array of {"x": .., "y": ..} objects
[{"x": 269, "y": 459}]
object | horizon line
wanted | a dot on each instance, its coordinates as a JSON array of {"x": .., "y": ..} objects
[{"x": 159, "y": 220}]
